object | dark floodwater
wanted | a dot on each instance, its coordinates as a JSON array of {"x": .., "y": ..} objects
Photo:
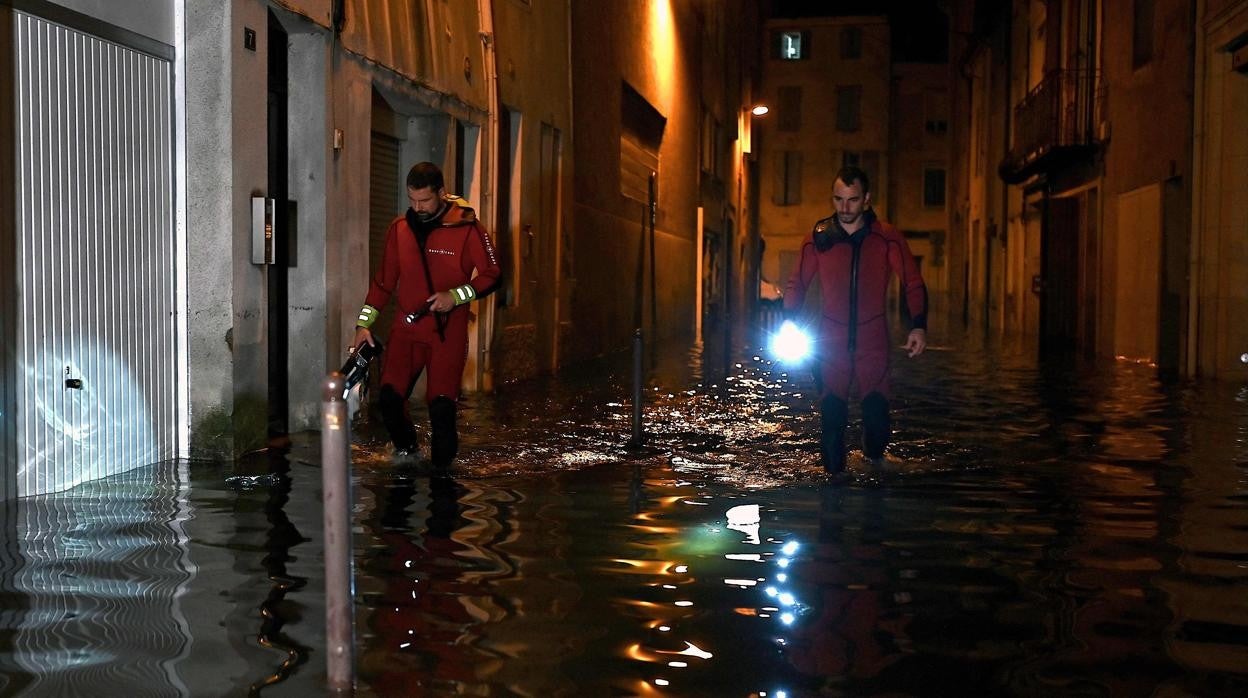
[{"x": 1043, "y": 529}]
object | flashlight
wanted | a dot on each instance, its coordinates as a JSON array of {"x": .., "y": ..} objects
[{"x": 791, "y": 344}]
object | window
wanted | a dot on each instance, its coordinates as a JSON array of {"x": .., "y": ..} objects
[
  {"x": 849, "y": 107},
  {"x": 790, "y": 108},
  {"x": 790, "y": 45},
  {"x": 851, "y": 43},
  {"x": 641, "y": 135},
  {"x": 935, "y": 112},
  {"x": 1142, "y": 33},
  {"x": 709, "y": 127},
  {"x": 787, "y": 186},
  {"x": 934, "y": 187},
  {"x": 866, "y": 160}
]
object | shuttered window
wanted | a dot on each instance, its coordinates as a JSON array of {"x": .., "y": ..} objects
[{"x": 383, "y": 193}]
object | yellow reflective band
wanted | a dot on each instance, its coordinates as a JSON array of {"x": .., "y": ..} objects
[
  {"x": 368, "y": 315},
  {"x": 464, "y": 293}
]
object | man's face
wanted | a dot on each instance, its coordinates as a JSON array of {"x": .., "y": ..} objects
[
  {"x": 850, "y": 202},
  {"x": 426, "y": 202}
]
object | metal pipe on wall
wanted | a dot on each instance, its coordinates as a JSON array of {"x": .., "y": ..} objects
[{"x": 485, "y": 10}]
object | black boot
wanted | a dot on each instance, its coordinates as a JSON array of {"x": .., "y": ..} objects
[
  {"x": 398, "y": 423},
  {"x": 876, "y": 427},
  {"x": 834, "y": 415},
  {"x": 444, "y": 440}
]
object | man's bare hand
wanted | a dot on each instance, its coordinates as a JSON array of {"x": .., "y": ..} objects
[
  {"x": 362, "y": 334},
  {"x": 441, "y": 302},
  {"x": 916, "y": 343}
]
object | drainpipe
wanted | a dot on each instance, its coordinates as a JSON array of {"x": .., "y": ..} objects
[
  {"x": 485, "y": 13},
  {"x": 1003, "y": 231},
  {"x": 1195, "y": 257}
]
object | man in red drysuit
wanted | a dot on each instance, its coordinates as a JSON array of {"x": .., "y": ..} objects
[
  {"x": 427, "y": 265},
  {"x": 853, "y": 254}
]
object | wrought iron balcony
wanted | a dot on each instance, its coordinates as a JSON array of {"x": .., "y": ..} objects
[{"x": 1058, "y": 123}]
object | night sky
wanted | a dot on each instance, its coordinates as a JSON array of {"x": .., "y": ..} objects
[{"x": 920, "y": 28}]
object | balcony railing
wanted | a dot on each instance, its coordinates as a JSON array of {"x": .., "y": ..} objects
[{"x": 1063, "y": 114}]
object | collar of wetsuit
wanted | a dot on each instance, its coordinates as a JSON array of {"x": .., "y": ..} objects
[
  {"x": 829, "y": 231},
  {"x": 423, "y": 228}
]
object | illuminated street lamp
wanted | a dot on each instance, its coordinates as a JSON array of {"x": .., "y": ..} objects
[{"x": 759, "y": 110}]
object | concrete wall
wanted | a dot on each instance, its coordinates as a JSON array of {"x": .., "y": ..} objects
[
  {"x": 657, "y": 60},
  {"x": 310, "y": 350},
  {"x": 1219, "y": 254},
  {"x": 1149, "y": 144},
  {"x": 227, "y": 163},
  {"x": 535, "y": 87}
]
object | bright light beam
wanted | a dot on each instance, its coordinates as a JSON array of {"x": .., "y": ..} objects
[{"x": 791, "y": 344}]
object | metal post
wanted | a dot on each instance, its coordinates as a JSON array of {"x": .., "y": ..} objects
[
  {"x": 638, "y": 435},
  {"x": 336, "y": 499}
]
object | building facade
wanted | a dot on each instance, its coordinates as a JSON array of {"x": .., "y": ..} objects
[
  {"x": 662, "y": 230},
  {"x": 839, "y": 94},
  {"x": 1094, "y": 205},
  {"x": 827, "y": 85},
  {"x": 200, "y": 191},
  {"x": 1218, "y": 258}
]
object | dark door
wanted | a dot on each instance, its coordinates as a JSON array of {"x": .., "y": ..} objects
[
  {"x": 278, "y": 135},
  {"x": 1176, "y": 242},
  {"x": 546, "y": 261},
  {"x": 1059, "y": 263}
]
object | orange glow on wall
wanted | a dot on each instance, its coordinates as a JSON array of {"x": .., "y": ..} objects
[{"x": 662, "y": 38}]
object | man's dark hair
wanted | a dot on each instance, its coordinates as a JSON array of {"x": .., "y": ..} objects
[
  {"x": 425, "y": 174},
  {"x": 850, "y": 174}
]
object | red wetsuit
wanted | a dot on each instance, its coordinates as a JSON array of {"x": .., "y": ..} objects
[
  {"x": 456, "y": 245},
  {"x": 853, "y": 272}
]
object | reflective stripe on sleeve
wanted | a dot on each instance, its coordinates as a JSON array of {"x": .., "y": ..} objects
[
  {"x": 368, "y": 315},
  {"x": 463, "y": 294}
]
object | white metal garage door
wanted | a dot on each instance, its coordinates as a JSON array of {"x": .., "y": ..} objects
[{"x": 95, "y": 258}]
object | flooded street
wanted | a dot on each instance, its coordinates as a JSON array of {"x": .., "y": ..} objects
[{"x": 1041, "y": 528}]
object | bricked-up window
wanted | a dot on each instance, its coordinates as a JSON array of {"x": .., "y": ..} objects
[
  {"x": 1142, "y": 33},
  {"x": 708, "y": 140},
  {"x": 851, "y": 43},
  {"x": 849, "y": 107},
  {"x": 934, "y": 187},
  {"x": 790, "y": 45},
  {"x": 790, "y": 109},
  {"x": 641, "y": 134},
  {"x": 787, "y": 185},
  {"x": 936, "y": 112},
  {"x": 714, "y": 146}
]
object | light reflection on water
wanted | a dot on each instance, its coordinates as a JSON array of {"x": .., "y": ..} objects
[{"x": 1042, "y": 529}]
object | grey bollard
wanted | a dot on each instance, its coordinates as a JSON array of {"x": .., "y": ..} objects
[{"x": 336, "y": 500}]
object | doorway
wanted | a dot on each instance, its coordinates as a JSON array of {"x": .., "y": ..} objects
[
  {"x": 278, "y": 289},
  {"x": 548, "y": 257},
  {"x": 1059, "y": 269}
]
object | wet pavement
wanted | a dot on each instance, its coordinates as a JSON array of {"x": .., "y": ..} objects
[{"x": 1041, "y": 528}]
